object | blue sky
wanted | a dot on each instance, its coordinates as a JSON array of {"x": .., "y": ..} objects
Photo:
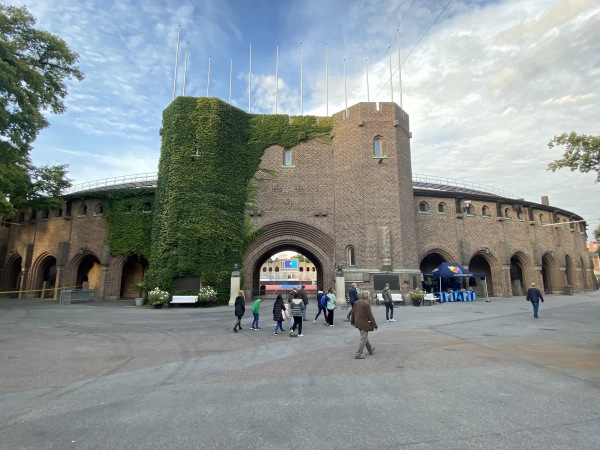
[{"x": 486, "y": 89}]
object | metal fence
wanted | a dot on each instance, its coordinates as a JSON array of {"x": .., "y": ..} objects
[{"x": 77, "y": 295}]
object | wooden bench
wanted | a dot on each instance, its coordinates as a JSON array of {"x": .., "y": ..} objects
[
  {"x": 184, "y": 299},
  {"x": 396, "y": 299}
]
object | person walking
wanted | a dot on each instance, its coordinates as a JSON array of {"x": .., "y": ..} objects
[
  {"x": 255, "y": 312},
  {"x": 297, "y": 308},
  {"x": 240, "y": 309},
  {"x": 290, "y": 299},
  {"x": 322, "y": 305},
  {"x": 331, "y": 305},
  {"x": 278, "y": 314},
  {"x": 534, "y": 296},
  {"x": 362, "y": 318},
  {"x": 304, "y": 296},
  {"x": 352, "y": 298},
  {"x": 387, "y": 301}
]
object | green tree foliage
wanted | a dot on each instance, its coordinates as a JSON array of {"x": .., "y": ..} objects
[
  {"x": 34, "y": 66},
  {"x": 582, "y": 153}
]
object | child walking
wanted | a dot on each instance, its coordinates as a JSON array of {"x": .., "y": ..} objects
[{"x": 255, "y": 309}]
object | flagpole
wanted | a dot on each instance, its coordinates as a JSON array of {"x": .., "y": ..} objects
[
  {"x": 326, "y": 84},
  {"x": 391, "y": 83},
  {"x": 276, "y": 75},
  {"x": 187, "y": 46},
  {"x": 399, "y": 67},
  {"x": 367, "y": 69},
  {"x": 250, "y": 79},
  {"x": 345, "y": 90},
  {"x": 176, "y": 63},
  {"x": 230, "y": 73},
  {"x": 301, "y": 106},
  {"x": 208, "y": 81}
]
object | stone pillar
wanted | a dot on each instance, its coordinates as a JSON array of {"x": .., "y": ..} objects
[
  {"x": 340, "y": 285},
  {"x": 235, "y": 285},
  {"x": 60, "y": 270}
]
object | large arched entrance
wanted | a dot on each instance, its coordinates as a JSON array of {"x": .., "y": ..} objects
[
  {"x": 480, "y": 264},
  {"x": 296, "y": 237},
  {"x": 133, "y": 272},
  {"x": 45, "y": 276},
  {"x": 89, "y": 272},
  {"x": 549, "y": 270},
  {"x": 13, "y": 274},
  {"x": 517, "y": 269}
]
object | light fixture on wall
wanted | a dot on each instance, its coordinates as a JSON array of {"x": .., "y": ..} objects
[{"x": 486, "y": 250}]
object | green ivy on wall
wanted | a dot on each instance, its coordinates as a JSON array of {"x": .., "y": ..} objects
[
  {"x": 128, "y": 215},
  {"x": 210, "y": 152}
]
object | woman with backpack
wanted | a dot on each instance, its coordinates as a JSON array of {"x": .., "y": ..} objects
[
  {"x": 322, "y": 304},
  {"x": 331, "y": 302}
]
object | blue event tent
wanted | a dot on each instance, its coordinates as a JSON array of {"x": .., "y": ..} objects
[{"x": 455, "y": 270}]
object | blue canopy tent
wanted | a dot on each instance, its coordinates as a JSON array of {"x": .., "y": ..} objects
[{"x": 455, "y": 270}]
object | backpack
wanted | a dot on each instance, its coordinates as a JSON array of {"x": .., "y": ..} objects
[{"x": 324, "y": 299}]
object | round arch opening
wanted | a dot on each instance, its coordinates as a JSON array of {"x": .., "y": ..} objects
[{"x": 280, "y": 279}]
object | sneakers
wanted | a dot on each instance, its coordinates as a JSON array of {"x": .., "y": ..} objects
[
  {"x": 291, "y": 332},
  {"x": 274, "y": 334},
  {"x": 387, "y": 320},
  {"x": 372, "y": 350},
  {"x": 314, "y": 322},
  {"x": 300, "y": 335},
  {"x": 392, "y": 320},
  {"x": 252, "y": 328},
  {"x": 331, "y": 325},
  {"x": 359, "y": 357},
  {"x": 235, "y": 330}
]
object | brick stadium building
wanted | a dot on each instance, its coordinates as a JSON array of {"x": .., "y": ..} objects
[{"x": 350, "y": 204}]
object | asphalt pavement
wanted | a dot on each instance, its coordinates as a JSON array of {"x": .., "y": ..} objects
[{"x": 474, "y": 375}]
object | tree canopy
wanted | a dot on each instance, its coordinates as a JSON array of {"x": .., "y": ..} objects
[
  {"x": 582, "y": 153},
  {"x": 34, "y": 68}
]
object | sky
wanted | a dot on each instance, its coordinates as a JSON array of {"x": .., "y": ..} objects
[{"x": 487, "y": 84}]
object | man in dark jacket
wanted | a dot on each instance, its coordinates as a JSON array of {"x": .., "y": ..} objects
[
  {"x": 534, "y": 296},
  {"x": 352, "y": 298},
  {"x": 362, "y": 318}
]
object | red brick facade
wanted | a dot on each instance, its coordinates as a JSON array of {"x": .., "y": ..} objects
[{"x": 336, "y": 195}]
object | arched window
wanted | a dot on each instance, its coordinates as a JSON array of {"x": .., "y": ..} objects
[
  {"x": 485, "y": 211},
  {"x": 377, "y": 148},
  {"x": 276, "y": 268},
  {"x": 98, "y": 209},
  {"x": 351, "y": 256},
  {"x": 541, "y": 218},
  {"x": 270, "y": 269},
  {"x": 287, "y": 157},
  {"x": 33, "y": 215},
  {"x": 45, "y": 215},
  {"x": 314, "y": 269},
  {"x": 442, "y": 208},
  {"x": 423, "y": 207},
  {"x": 519, "y": 215},
  {"x": 82, "y": 210},
  {"x": 470, "y": 210},
  {"x": 264, "y": 269},
  {"x": 59, "y": 212},
  {"x": 301, "y": 269},
  {"x": 506, "y": 213}
]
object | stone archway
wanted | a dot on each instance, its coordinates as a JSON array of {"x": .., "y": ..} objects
[
  {"x": 518, "y": 270},
  {"x": 13, "y": 274},
  {"x": 132, "y": 272},
  {"x": 44, "y": 275},
  {"x": 294, "y": 236},
  {"x": 480, "y": 264},
  {"x": 549, "y": 271}
]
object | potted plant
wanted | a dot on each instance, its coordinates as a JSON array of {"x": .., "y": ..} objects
[
  {"x": 158, "y": 298},
  {"x": 417, "y": 295},
  {"x": 140, "y": 287},
  {"x": 207, "y": 296}
]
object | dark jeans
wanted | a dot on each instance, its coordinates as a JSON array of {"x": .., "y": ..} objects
[
  {"x": 255, "y": 321},
  {"x": 278, "y": 326},
  {"x": 330, "y": 316},
  {"x": 350, "y": 312},
  {"x": 297, "y": 323},
  {"x": 535, "y": 305},
  {"x": 389, "y": 311},
  {"x": 319, "y": 313}
]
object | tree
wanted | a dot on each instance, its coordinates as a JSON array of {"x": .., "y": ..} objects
[
  {"x": 34, "y": 67},
  {"x": 582, "y": 153}
]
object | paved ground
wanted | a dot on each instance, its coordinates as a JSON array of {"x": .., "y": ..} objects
[{"x": 451, "y": 376}]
